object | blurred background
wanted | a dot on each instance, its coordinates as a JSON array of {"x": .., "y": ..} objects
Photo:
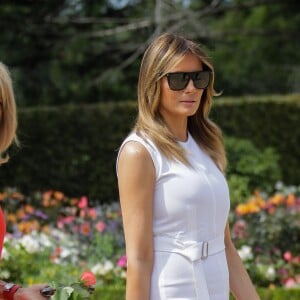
[
  {"x": 87, "y": 51},
  {"x": 75, "y": 66}
]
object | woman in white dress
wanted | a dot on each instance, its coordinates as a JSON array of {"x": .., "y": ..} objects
[{"x": 174, "y": 197}]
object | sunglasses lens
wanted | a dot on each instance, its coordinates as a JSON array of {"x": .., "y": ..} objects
[
  {"x": 201, "y": 79},
  {"x": 177, "y": 81}
]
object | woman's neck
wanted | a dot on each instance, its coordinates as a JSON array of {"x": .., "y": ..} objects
[{"x": 178, "y": 129}]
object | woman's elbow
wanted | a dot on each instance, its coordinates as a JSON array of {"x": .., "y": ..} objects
[{"x": 141, "y": 259}]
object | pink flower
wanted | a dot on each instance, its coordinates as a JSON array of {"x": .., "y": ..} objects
[
  {"x": 283, "y": 272},
  {"x": 239, "y": 229},
  {"x": 68, "y": 219},
  {"x": 290, "y": 282},
  {"x": 100, "y": 226},
  {"x": 88, "y": 278},
  {"x": 92, "y": 213},
  {"x": 65, "y": 220},
  {"x": 122, "y": 262},
  {"x": 83, "y": 203},
  {"x": 287, "y": 256},
  {"x": 296, "y": 259},
  {"x": 60, "y": 224}
]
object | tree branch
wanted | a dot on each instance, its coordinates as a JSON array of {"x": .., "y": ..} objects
[{"x": 212, "y": 9}]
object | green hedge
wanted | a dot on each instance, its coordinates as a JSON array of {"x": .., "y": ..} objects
[
  {"x": 69, "y": 148},
  {"x": 249, "y": 168},
  {"x": 279, "y": 294},
  {"x": 268, "y": 121},
  {"x": 117, "y": 293},
  {"x": 74, "y": 148}
]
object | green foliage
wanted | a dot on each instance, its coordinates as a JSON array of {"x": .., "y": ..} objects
[
  {"x": 118, "y": 293},
  {"x": 26, "y": 263},
  {"x": 89, "y": 51},
  {"x": 109, "y": 293},
  {"x": 74, "y": 148},
  {"x": 267, "y": 121},
  {"x": 249, "y": 168},
  {"x": 76, "y": 291},
  {"x": 258, "y": 63}
]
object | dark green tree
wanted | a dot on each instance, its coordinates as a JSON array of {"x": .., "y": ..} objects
[{"x": 85, "y": 51}]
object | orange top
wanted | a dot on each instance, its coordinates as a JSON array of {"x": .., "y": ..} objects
[{"x": 2, "y": 230}]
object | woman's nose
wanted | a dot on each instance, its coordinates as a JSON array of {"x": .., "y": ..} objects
[{"x": 190, "y": 86}]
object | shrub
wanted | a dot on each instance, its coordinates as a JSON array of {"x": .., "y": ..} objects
[
  {"x": 118, "y": 293},
  {"x": 250, "y": 167},
  {"x": 268, "y": 121},
  {"x": 74, "y": 148}
]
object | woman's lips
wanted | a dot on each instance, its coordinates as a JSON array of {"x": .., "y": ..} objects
[{"x": 188, "y": 101}]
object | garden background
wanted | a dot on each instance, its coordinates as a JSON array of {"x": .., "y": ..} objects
[{"x": 75, "y": 64}]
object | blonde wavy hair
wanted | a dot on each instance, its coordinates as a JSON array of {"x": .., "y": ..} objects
[
  {"x": 163, "y": 53},
  {"x": 8, "y": 113}
]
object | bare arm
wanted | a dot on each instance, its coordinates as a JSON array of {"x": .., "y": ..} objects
[
  {"x": 136, "y": 179},
  {"x": 240, "y": 283},
  {"x": 25, "y": 293}
]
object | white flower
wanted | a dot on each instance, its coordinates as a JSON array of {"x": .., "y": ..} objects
[
  {"x": 245, "y": 253},
  {"x": 108, "y": 266},
  {"x": 44, "y": 240},
  {"x": 279, "y": 185},
  {"x": 5, "y": 254},
  {"x": 4, "y": 274},
  {"x": 30, "y": 244},
  {"x": 34, "y": 242},
  {"x": 102, "y": 269},
  {"x": 96, "y": 269},
  {"x": 270, "y": 273},
  {"x": 123, "y": 274},
  {"x": 65, "y": 252}
]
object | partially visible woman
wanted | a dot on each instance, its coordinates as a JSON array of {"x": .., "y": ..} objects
[{"x": 8, "y": 127}]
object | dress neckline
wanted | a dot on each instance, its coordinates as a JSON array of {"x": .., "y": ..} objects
[{"x": 187, "y": 140}]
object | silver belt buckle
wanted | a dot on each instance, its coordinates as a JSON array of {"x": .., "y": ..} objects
[{"x": 204, "y": 250}]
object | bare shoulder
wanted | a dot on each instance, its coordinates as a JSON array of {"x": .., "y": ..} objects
[
  {"x": 134, "y": 150},
  {"x": 134, "y": 155}
]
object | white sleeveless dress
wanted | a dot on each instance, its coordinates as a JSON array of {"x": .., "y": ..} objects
[{"x": 191, "y": 206}]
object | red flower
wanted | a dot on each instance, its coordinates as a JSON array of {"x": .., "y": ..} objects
[
  {"x": 88, "y": 278},
  {"x": 85, "y": 228}
]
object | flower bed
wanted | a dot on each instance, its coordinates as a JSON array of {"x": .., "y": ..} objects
[
  {"x": 51, "y": 237},
  {"x": 266, "y": 230}
]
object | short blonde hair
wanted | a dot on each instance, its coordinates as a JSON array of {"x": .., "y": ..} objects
[
  {"x": 164, "y": 52},
  {"x": 8, "y": 113}
]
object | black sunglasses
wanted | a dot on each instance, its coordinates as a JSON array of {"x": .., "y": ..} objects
[{"x": 179, "y": 80}]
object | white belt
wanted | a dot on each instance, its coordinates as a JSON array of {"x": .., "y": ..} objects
[{"x": 193, "y": 250}]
